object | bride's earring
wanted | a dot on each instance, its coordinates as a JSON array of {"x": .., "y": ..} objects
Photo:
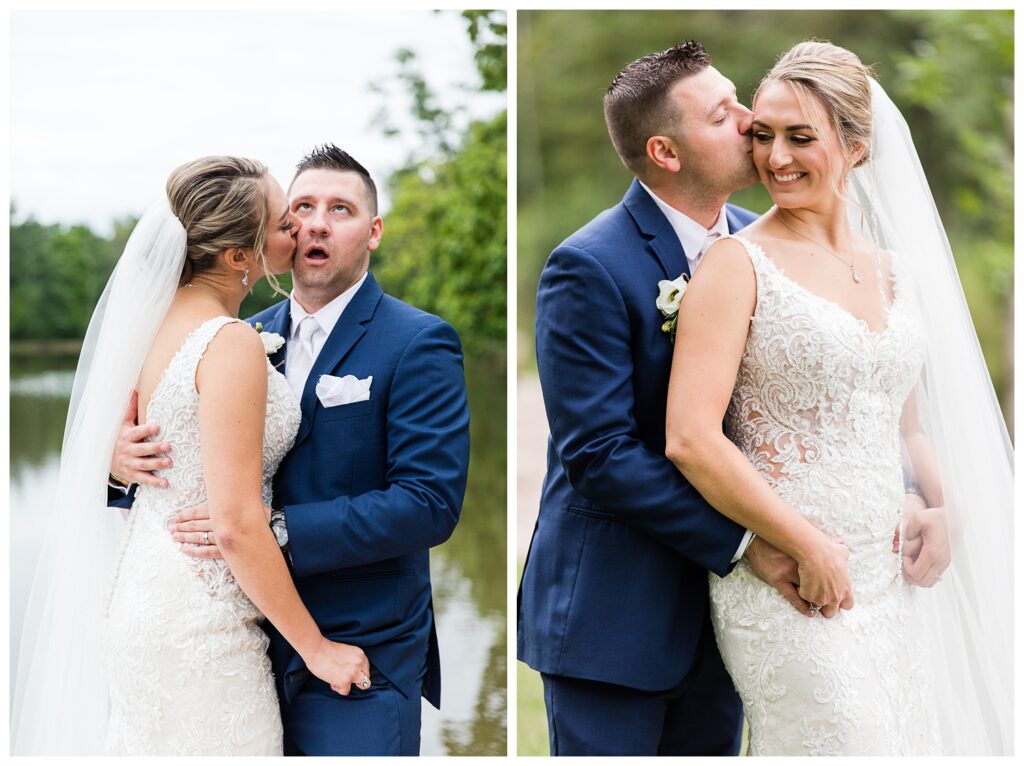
[{"x": 245, "y": 278}]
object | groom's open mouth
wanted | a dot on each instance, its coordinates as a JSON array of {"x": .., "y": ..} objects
[{"x": 316, "y": 254}]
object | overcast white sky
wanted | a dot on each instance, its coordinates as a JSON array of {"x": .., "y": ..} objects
[{"x": 105, "y": 104}]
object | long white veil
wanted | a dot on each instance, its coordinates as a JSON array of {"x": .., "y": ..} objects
[
  {"x": 60, "y": 702},
  {"x": 969, "y": 614}
]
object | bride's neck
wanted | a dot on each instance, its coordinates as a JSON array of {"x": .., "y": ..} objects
[
  {"x": 225, "y": 290},
  {"x": 830, "y": 227}
]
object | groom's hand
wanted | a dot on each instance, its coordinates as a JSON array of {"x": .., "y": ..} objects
[
  {"x": 193, "y": 528},
  {"x": 133, "y": 459},
  {"x": 778, "y": 570}
]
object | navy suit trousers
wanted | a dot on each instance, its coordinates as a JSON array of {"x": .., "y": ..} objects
[
  {"x": 701, "y": 715},
  {"x": 378, "y": 721}
]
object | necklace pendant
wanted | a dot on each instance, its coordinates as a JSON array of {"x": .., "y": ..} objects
[{"x": 856, "y": 276}]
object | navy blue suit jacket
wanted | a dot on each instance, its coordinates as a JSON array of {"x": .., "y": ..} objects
[
  {"x": 370, "y": 486},
  {"x": 615, "y": 584}
]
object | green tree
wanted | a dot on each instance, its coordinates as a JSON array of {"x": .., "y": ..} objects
[
  {"x": 444, "y": 248},
  {"x": 445, "y": 236},
  {"x": 57, "y": 274}
]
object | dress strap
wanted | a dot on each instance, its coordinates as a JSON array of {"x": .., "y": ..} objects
[
  {"x": 754, "y": 252},
  {"x": 196, "y": 343}
]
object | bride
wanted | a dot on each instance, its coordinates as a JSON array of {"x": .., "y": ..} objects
[
  {"x": 169, "y": 657},
  {"x": 833, "y": 337}
]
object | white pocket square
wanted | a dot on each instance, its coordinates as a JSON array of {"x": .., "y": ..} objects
[{"x": 332, "y": 391}]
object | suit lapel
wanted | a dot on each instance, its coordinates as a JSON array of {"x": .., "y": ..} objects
[
  {"x": 346, "y": 333},
  {"x": 662, "y": 239}
]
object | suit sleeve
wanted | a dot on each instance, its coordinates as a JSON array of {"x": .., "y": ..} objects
[
  {"x": 585, "y": 361},
  {"x": 427, "y": 465},
  {"x": 118, "y": 499}
]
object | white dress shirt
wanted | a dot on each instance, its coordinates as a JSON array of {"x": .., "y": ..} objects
[
  {"x": 327, "y": 317},
  {"x": 695, "y": 239}
]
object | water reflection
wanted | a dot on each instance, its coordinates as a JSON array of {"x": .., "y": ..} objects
[{"x": 468, "y": 571}]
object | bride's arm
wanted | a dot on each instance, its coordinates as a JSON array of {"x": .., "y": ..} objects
[
  {"x": 926, "y": 549},
  {"x": 923, "y": 460},
  {"x": 714, "y": 319},
  {"x": 232, "y": 384}
]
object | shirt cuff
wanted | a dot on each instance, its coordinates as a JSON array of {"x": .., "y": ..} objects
[{"x": 748, "y": 538}]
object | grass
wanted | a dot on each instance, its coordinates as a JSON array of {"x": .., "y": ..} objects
[{"x": 532, "y": 737}]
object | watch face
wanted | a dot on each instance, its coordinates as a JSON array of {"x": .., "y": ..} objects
[{"x": 280, "y": 534}]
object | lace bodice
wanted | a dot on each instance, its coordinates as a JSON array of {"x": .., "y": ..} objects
[
  {"x": 816, "y": 408},
  {"x": 174, "y": 405},
  {"x": 187, "y": 659},
  {"x": 819, "y": 395}
]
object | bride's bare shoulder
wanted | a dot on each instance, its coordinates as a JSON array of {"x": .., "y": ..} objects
[{"x": 726, "y": 260}]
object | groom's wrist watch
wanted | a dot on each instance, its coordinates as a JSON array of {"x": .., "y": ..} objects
[{"x": 279, "y": 528}]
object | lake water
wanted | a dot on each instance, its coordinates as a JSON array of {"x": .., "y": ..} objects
[{"x": 468, "y": 571}]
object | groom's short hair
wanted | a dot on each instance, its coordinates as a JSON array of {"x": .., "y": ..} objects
[
  {"x": 330, "y": 157},
  {"x": 637, "y": 104}
]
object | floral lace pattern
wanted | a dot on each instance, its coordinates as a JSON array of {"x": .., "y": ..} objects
[
  {"x": 816, "y": 409},
  {"x": 187, "y": 662}
]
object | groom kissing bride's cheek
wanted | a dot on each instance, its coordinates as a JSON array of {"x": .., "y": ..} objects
[
  {"x": 835, "y": 512},
  {"x": 297, "y": 470}
]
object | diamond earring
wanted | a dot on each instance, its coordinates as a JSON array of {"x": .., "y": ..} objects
[{"x": 245, "y": 278}]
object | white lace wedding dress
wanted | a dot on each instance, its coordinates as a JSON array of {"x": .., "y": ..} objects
[
  {"x": 816, "y": 409},
  {"x": 186, "y": 657}
]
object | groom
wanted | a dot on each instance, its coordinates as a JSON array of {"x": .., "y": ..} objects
[
  {"x": 371, "y": 483},
  {"x": 613, "y": 605}
]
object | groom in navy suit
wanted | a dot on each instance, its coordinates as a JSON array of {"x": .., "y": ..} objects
[
  {"x": 375, "y": 478},
  {"x": 613, "y": 605}
]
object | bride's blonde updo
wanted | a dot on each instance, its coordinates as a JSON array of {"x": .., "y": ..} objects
[
  {"x": 840, "y": 83},
  {"x": 221, "y": 202}
]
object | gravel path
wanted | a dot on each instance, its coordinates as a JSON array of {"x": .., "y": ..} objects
[{"x": 531, "y": 454}]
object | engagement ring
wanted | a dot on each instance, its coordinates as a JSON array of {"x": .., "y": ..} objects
[
  {"x": 206, "y": 538},
  {"x": 364, "y": 684}
]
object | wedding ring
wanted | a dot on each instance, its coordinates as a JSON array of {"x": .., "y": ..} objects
[
  {"x": 815, "y": 608},
  {"x": 206, "y": 538},
  {"x": 364, "y": 684}
]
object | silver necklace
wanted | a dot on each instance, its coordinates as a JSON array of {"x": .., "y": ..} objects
[{"x": 854, "y": 274}]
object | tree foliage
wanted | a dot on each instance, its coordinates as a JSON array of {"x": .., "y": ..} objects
[{"x": 445, "y": 237}]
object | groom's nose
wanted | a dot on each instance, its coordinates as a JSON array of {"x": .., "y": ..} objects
[
  {"x": 745, "y": 120},
  {"x": 317, "y": 222}
]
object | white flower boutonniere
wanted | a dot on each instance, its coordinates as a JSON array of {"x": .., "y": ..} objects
[
  {"x": 670, "y": 293},
  {"x": 272, "y": 342}
]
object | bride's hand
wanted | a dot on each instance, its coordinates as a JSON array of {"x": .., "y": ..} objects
[
  {"x": 824, "y": 579},
  {"x": 340, "y": 665},
  {"x": 926, "y": 550}
]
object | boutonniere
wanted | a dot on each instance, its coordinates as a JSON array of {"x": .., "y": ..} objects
[
  {"x": 272, "y": 342},
  {"x": 670, "y": 293}
]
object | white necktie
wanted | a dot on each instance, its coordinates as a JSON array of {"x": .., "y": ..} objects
[{"x": 303, "y": 355}]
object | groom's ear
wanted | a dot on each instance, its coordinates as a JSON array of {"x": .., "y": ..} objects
[{"x": 663, "y": 152}]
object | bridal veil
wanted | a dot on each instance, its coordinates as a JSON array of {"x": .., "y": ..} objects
[
  {"x": 60, "y": 703},
  {"x": 970, "y": 611}
]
